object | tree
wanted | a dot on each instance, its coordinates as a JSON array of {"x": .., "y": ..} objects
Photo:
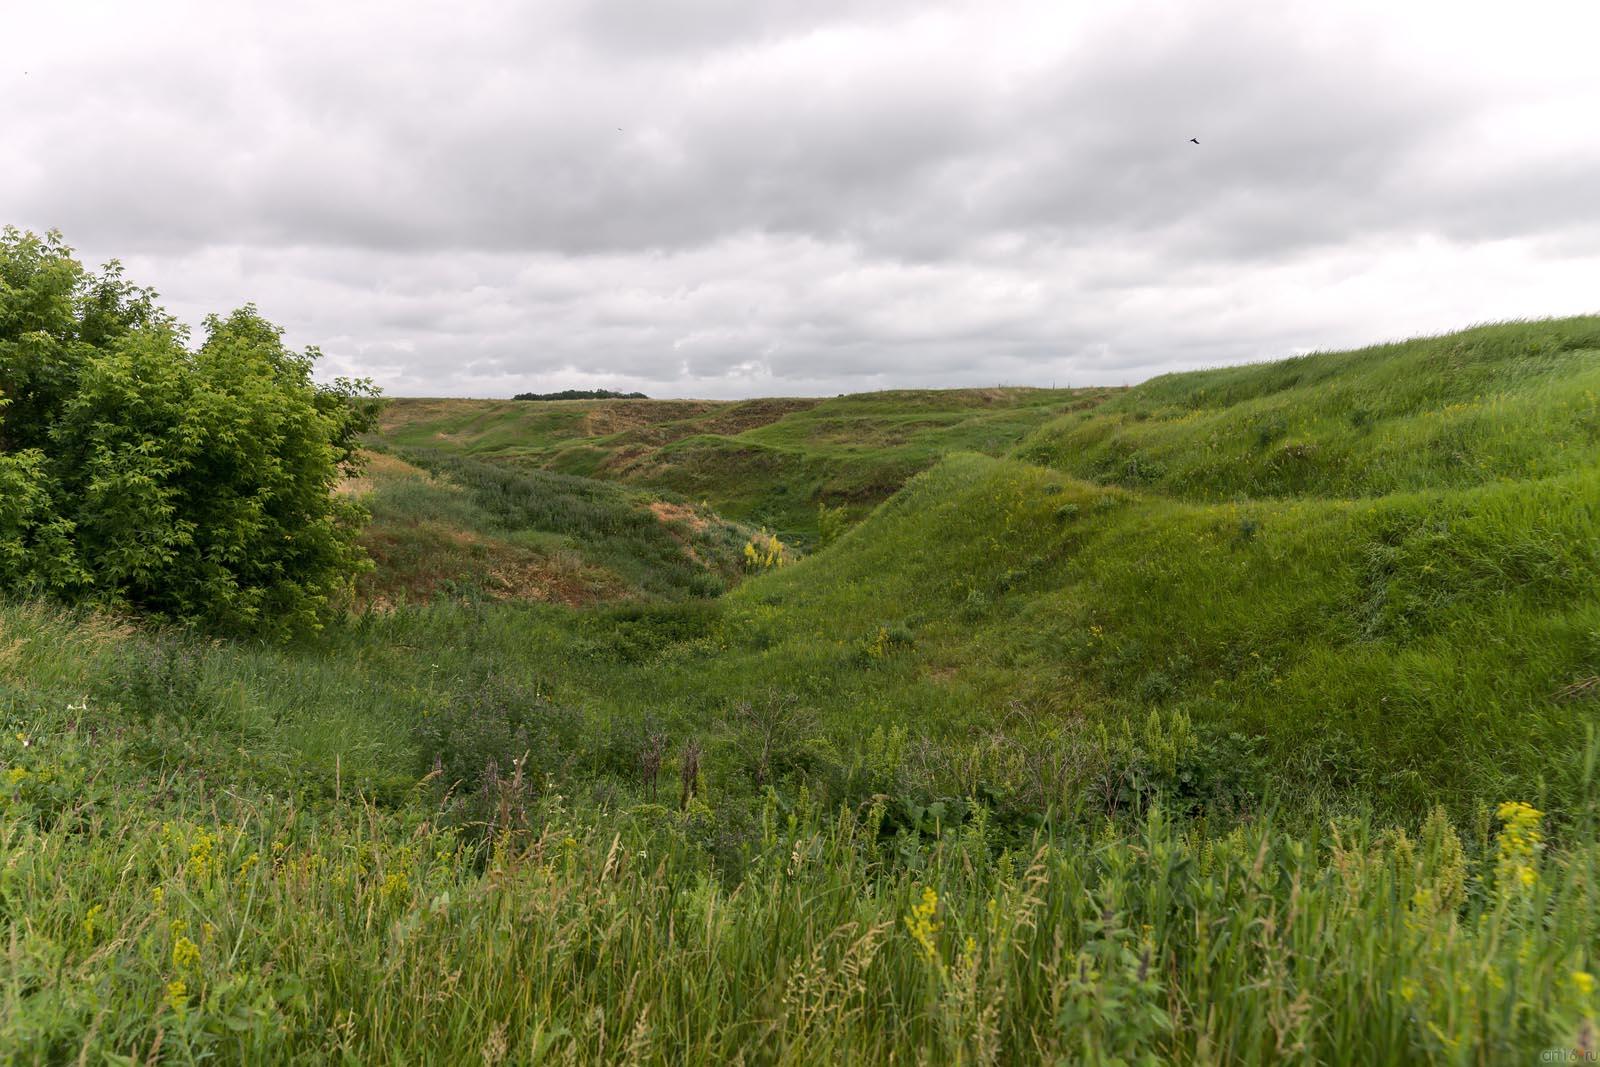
[{"x": 192, "y": 482}]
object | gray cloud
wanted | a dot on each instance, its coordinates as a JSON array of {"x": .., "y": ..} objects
[{"x": 718, "y": 198}]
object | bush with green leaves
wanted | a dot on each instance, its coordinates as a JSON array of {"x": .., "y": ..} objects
[{"x": 136, "y": 470}]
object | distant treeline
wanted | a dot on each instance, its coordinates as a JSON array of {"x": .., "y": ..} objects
[{"x": 581, "y": 394}]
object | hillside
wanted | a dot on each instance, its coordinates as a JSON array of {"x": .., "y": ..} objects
[
  {"x": 1391, "y": 596},
  {"x": 1242, "y": 712},
  {"x": 1508, "y": 402}
]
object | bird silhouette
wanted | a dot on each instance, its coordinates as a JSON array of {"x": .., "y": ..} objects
[{"x": 1194, "y": 140}]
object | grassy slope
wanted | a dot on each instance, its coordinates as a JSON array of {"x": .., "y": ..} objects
[
  {"x": 762, "y": 461},
  {"x": 442, "y": 522},
  {"x": 1508, "y": 402}
]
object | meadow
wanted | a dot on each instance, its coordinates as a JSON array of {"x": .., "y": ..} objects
[{"x": 1243, "y": 716}]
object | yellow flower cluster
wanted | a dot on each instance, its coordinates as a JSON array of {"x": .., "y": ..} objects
[
  {"x": 177, "y": 996},
  {"x": 763, "y": 552},
  {"x": 185, "y": 954},
  {"x": 203, "y": 858},
  {"x": 924, "y": 928},
  {"x": 1516, "y": 858},
  {"x": 395, "y": 884}
]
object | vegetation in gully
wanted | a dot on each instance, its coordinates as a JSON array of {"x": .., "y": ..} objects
[{"x": 1241, "y": 716}]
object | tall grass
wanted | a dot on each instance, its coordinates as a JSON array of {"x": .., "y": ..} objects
[{"x": 201, "y": 919}]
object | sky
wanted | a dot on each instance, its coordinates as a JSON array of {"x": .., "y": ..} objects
[{"x": 727, "y": 198}]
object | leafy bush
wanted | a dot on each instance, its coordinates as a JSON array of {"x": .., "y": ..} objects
[
  {"x": 831, "y": 524},
  {"x": 195, "y": 483},
  {"x": 775, "y": 738}
]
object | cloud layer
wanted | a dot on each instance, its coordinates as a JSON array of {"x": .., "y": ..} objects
[{"x": 737, "y": 197}]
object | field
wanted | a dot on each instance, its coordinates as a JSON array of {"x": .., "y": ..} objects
[{"x": 1242, "y": 716}]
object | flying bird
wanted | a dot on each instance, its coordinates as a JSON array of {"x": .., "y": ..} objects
[{"x": 1194, "y": 140}]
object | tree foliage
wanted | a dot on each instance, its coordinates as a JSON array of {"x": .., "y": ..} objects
[
  {"x": 582, "y": 394},
  {"x": 195, "y": 482}
]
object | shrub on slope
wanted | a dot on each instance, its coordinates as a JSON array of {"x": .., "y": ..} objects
[{"x": 192, "y": 482}]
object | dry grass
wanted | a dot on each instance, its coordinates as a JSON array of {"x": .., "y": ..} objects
[{"x": 377, "y": 467}]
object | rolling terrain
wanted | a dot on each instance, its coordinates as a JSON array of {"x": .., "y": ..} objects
[
  {"x": 767, "y": 462},
  {"x": 1245, "y": 715}
]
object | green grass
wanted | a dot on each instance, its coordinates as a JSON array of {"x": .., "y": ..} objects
[
  {"x": 1196, "y": 742},
  {"x": 170, "y": 892}
]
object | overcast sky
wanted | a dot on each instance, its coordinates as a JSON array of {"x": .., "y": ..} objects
[{"x": 749, "y": 197}]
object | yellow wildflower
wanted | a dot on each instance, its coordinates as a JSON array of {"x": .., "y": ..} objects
[
  {"x": 1517, "y": 850},
  {"x": 177, "y": 995},
  {"x": 396, "y": 884},
  {"x": 922, "y": 925},
  {"x": 185, "y": 954}
]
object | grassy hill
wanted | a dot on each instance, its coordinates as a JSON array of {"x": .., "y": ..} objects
[
  {"x": 1241, "y": 716},
  {"x": 1509, "y": 402}
]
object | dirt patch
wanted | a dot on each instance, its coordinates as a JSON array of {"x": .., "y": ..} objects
[{"x": 679, "y": 514}]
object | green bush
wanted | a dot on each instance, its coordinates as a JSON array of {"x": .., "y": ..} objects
[
  {"x": 191, "y": 482},
  {"x": 831, "y": 524}
]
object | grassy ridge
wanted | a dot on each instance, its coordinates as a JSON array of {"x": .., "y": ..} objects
[{"x": 1508, "y": 402}]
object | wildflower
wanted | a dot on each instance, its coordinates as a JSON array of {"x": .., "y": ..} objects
[
  {"x": 177, "y": 995},
  {"x": 1518, "y": 846},
  {"x": 202, "y": 857},
  {"x": 248, "y": 865},
  {"x": 91, "y": 921},
  {"x": 185, "y": 954},
  {"x": 1583, "y": 981},
  {"x": 763, "y": 552},
  {"x": 922, "y": 925},
  {"x": 394, "y": 885}
]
